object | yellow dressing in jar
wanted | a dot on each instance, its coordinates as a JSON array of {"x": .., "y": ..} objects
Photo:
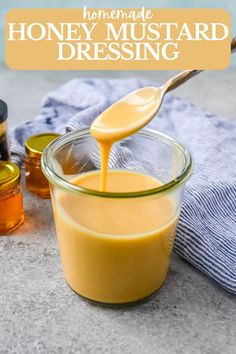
[
  {"x": 115, "y": 251},
  {"x": 116, "y": 228}
]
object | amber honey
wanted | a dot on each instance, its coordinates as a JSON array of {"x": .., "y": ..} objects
[
  {"x": 36, "y": 182},
  {"x": 11, "y": 201}
]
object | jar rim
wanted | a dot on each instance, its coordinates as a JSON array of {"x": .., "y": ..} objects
[
  {"x": 10, "y": 175},
  {"x": 59, "y": 181},
  {"x": 35, "y": 144}
]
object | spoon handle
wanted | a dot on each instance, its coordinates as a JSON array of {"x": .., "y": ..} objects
[
  {"x": 185, "y": 75},
  {"x": 179, "y": 79}
]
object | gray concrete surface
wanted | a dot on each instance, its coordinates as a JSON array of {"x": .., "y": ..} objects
[{"x": 39, "y": 313}]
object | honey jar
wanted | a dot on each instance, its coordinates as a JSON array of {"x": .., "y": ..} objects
[
  {"x": 4, "y": 148},
  {"x": 36, "y": 182},
  {"x": 11, "y": 201}
]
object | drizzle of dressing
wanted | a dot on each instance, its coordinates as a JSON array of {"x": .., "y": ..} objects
[{"x": 122, "y": 119}]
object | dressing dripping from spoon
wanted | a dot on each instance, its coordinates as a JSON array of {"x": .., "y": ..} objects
[{"x": 131, "y": 113}]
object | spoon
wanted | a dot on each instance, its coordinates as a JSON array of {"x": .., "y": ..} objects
[{"x": 132, "y": 112}]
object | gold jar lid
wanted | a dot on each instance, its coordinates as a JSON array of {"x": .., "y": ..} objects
[
  {"x": 9, "y": 175},
  {"x": 35, "y": 145}
]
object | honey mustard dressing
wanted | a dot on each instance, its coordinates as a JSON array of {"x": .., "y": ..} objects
[
  {"x": 116, "y": 250},
  {"x": 121, "y": 120}
]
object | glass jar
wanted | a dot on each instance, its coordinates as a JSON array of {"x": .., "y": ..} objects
[
  {"x": 4, "y": 147},
  {"x": 11, "y": 202},
  {"x": 99, "y": 264},
  {"x": 35, "y": 179}
]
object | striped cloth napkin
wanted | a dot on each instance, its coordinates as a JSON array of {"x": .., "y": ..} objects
[{"x": 206, "y": 235}]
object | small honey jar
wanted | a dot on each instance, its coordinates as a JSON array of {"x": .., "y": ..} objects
[
  {"x": 36, "y": 182},
  {"x": 11, "y": 201}
]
